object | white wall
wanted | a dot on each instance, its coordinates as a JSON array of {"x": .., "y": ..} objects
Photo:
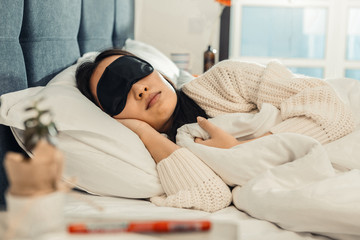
[{"x": 178, "y": 26}]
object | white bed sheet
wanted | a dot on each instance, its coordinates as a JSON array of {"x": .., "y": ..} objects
[{"x": 228, "y": 223}]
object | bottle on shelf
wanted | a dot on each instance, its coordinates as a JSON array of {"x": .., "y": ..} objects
[{"x": 209, "y": 58}]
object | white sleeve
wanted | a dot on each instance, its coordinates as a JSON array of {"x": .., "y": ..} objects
[{"x": 31, "y": 217}]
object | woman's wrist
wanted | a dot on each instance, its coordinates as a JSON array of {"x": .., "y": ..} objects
[
  {"x": 158, "y": 145},
  {"x": 144, "y": 130}
]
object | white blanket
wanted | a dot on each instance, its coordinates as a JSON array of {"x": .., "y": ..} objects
[{"x": 289, "y": 179}]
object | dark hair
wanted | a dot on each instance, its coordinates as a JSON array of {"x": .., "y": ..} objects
[
  {"x": 86, "y": 69},
  {"x": 186, "y": 109}
]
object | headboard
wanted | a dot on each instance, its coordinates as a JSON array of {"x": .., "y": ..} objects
[{"x": 40, "y": 38}]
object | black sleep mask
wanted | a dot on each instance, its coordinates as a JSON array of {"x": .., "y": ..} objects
[{"x": 117, "y": 80}]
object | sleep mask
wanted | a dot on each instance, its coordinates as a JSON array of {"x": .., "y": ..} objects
[{"x": 117, "y": 80}]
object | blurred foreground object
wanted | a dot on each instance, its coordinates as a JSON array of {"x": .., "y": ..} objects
[
  {"x": 41, "y": 173},
  {"x": 36, "y": 176},
  {"x": 41, "y": 126},
  {"x": 34, "y": 199}
]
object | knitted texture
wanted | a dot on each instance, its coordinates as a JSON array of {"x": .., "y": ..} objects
[
  {"x": 308, "y": 106},
  {"x": 189, "y": 183},
  {"x": 226, "y": 88}
]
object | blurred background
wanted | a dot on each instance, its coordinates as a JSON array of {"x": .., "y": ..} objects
[{"x": 320, "y": 38}]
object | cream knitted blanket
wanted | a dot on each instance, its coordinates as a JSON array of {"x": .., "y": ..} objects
[
  {"x": 287, "y": 178},
  {"x": 309, "y": 106}
]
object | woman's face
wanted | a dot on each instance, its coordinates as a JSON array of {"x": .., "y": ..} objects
[{"x": 151, "y": 99}]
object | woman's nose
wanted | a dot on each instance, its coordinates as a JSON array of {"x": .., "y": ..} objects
[{"x": 140, "y": 91}]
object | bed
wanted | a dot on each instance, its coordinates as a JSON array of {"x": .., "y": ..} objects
[{"x": 43, "y": 41}]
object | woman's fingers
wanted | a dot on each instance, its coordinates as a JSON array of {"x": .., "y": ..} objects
[
  {"x": 210, "y": 128},
  {"x": 198, "y": 140},
  {"x": 218, "y": 137}
]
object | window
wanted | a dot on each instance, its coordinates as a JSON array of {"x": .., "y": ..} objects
[{"x": 318, "y": 38}]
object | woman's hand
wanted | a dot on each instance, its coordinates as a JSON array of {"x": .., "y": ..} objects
[{"x": 218, "y": 137}]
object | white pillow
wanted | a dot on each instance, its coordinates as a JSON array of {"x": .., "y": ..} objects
[
  {"x": 105, "y": 157},
  {"x": 155, "y": 57}
]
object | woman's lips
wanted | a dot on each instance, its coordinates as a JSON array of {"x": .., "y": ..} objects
[{"x": 152, "y": 99}]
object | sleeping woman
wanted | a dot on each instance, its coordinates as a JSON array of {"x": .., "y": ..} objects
[{"x": 131, "y": 91}]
